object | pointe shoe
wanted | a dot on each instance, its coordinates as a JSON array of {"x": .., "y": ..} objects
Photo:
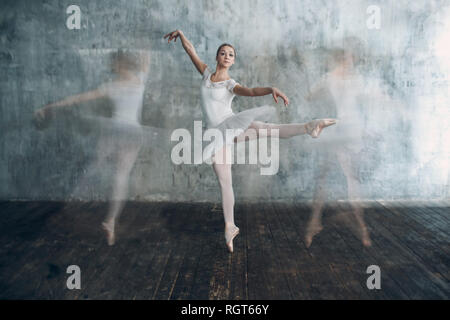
[
  {"x": 315, "y": 127},
  {"x": 110, "y": 236},
  {"x": 365, "y": 238},
  {"x": 367, "y": 242},
  {"x": 312, "y": 230},
  {"x": 230, "y": 234}
]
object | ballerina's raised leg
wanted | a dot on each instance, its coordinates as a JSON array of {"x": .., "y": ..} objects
[
  {"x": 223, "y": 169},
  {"x": 125, "y": 162},
  {"x": 285, "y": 131}
]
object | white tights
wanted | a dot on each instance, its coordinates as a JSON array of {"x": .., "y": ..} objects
[
  {"x": 223, "y": 171},
  {"x": 285, "y": 131}
]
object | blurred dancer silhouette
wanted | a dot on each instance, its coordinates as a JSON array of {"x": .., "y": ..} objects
[
  {"x": 345, "y": 84},
  {"x": 122, "y": 135}
]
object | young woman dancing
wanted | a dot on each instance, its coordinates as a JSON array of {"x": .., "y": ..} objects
[
  {"x": 122, "y": 135},
  {"x": 346, "y": 85},
  {"x": 217, "y": 92}
]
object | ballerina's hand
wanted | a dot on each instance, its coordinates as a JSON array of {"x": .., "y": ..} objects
[
  {"x": 42, "y": 117},
  {"x": 173, "y": 35},
  {"x": 277, "y": 93}
]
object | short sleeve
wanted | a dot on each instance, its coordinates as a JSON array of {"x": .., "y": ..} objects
[
  {"x": 231, "y": 84},
  {"x": 206, "y": 73}
]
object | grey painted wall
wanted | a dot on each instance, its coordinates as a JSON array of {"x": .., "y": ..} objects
[{"x": 404, "y": 101}]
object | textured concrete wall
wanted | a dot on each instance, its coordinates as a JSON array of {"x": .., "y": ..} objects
[{"x": 403, "y": 102}]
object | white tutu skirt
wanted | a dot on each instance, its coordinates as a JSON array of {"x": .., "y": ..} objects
[
  {"x": 234, "y": 126},
  {"x": 123, "y": 134}
]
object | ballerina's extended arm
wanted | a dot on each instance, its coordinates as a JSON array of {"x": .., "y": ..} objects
[
  {"x": 44, "y": 113},
  {"x": 257, "y": 92},
  {"x": 188, "y": 47}
]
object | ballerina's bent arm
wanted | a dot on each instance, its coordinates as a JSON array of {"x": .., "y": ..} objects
[
  {"x": 238, "y": 89},
  {"x": 188, "y": 47}
]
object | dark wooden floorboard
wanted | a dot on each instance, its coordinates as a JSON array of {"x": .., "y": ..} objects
[
  {"x": 261, "y": 267},
  {"x": 195, "y": 241},
  {"x": 430, "y": 217},
  {"x": 276, "y": 255},
  {"x": 380, "y": 256},
  {"x": 25, "y": 263},
  {"x": 219, "y": 263},
  {"x": 347, "y": 263},
  {"x": 297, "y": 257},
  {"x": 239, "y": 280},
  {"x": 329, "y": 255},
  {"x": 411, "y": 275},
  {"x": 200, "y": 284},
  {"x": 435, "y": 243},
  {"x": 290, "y": 259},
  {"x": 441, "y": 208},
  {"x": 155, "y": 241},
  {"x": 177, "y": 251},
  {"x": 429, "y": 255}
]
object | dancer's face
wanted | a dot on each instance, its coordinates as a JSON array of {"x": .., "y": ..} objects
[{"x": 225, "y": 57}]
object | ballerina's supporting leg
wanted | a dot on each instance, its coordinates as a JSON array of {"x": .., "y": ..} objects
[
  {"x": 315, "y": 222},
  {"x": 223, "y": 172},
  {"x": 286, "y": 131},
  {"x": 353, "y": 187},
  {"x": 125, "y": 162},
  {"x": 93, "y": 169}
]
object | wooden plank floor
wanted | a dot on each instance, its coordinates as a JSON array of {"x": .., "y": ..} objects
[{"x": 177, "y": 251}]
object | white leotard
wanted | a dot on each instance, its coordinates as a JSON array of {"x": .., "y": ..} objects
[
  {"x": 216, "y": 99},
  {"x": 127, "y": 98},
  {"x": 217, "y": 112}
]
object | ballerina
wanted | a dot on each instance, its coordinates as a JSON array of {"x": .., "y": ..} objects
[
  {"x": 217, "y": 92},
  {"x": 122, "y": 136},
  {"x": 345, "y": 84}
]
